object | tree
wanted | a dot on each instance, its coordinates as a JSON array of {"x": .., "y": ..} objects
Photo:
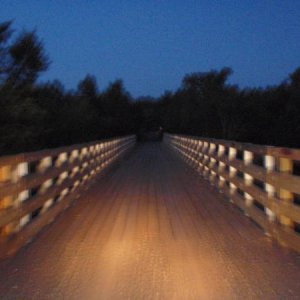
[
  {"x": 289, "y": 126},
  {"x": 21, "y": 116},
  {"x": 88, "y": 87},
  {"x": 27, "y": 59},
  {"x": 204, "y": 94},
  {"x": 117, "y": 109},
  {"x": 5, "y": 34}
]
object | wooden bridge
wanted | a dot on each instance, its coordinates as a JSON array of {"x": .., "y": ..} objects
[{"x": 153, "y": 225}]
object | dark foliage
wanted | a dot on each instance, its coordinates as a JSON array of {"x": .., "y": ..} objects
[
  {"x": 36, "y": 116},
  {"x": 207, "y": 106}
]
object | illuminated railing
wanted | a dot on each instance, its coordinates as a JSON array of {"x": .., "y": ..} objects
[
  {"x": 35, "y": 187},
  {"x": 263, "y": 181}
]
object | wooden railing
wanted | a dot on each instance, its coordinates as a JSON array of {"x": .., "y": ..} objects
[
  {"x": 263, "y": 181},
  {"x": 36, "y": 187}
]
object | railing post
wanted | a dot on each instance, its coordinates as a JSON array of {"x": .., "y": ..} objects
[
  {"x": 22, "y": 170},
  {"x": 232, "y": 172},
  {"x": 264, "y": 193},
  {"x": 248, "y": 180},
  {"x": 205, "y": 172},
  {"x": 45, "y": 163},
  {"x": 270, "y": 163},
  {"x": 286, "y": 167},
  {"x": 97, "y": 158},
  {"x": 6, "y": 176},
  {"x": 13, "y": 174},
  {"x": 194, "y": 154},
  {"x": 200, "y": 157},
  {"x": 221, "y": 166},
  {"x": 212, "y": 163},
  {"x": 188, "y": 151},
  {"x": 34, "y": 200},
  {"x": 83, "y": 164},
  {"x": 197, "y": 154},
  {"x": 73, "y": 157}
]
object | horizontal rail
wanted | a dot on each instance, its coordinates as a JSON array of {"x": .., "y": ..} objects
[
  {"x": 263, "y": 181},
  {"x": 36, "y": 187}
]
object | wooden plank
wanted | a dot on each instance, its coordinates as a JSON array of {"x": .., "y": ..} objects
[
  {"x": 288, "y": 238},
  {"x": 36, "y": 179},
  {"x": 38, "y": 155},
  {"x": 277, "y": 179},
  {"x": 151, "y": 229},
  {"x": 10, "y": 247},
  {"x": 286, "y": 167},
  {"x": 259, "y": 217},
  {"x": 286, "y": 182},
  {"x": 262, "y": 150},
  {"x": 28, "y": 206},
  {"x": 290, "y": 210},
  {"x": 16, "y": 241}
]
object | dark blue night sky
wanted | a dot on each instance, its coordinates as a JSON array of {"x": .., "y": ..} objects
[{"x": 151, "y": 45}]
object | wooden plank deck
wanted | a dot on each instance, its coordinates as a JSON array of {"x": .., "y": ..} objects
[{"x": 151, "y": 229}]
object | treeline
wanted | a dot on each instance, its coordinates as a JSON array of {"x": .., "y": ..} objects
[
  {"x": 206, "y": 105},
  {"x": 35, "y": 116}
]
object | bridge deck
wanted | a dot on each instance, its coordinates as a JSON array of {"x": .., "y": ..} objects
[{"x": 151, "y": 229}]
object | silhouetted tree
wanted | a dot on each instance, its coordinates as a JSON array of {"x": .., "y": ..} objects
[
  {"x": 88, "y": 87},
  {"x": 117, "y": 109},
  {"x": 5, "y": 34},
  {"x": 36, "y": 116},
  {"x": 27, "y": 60}
]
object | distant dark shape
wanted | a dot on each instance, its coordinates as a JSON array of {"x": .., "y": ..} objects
[
  {"x": 150, "y": 135},
  {"x": 206, "y": 80},
  {"x": 88, "y": 87}
]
